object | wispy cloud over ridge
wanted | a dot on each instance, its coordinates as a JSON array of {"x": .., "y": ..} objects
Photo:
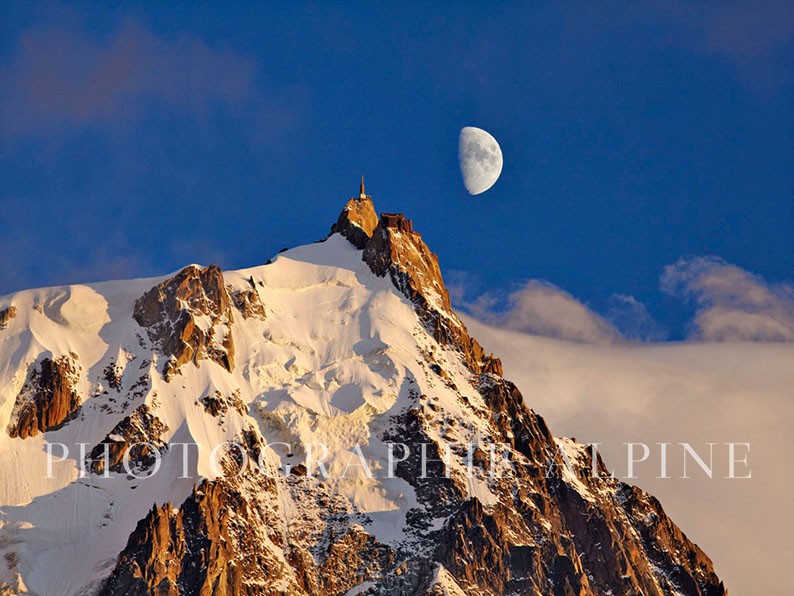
[
  {"x": 541, "y": 308},
  {"x": 60, "y": 77},
  {"x": 732, "y": 304}
]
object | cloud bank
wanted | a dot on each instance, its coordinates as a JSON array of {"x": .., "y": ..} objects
[{"x": 732, "y": 304}]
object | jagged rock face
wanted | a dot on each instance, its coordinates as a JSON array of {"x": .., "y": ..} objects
[
  {"x": 6, "y": 314},
  {"x": 548, "y": 537},
  {"x": 495, "y": 552},
  {"x": 113, "y": 374},
  {"x": 553, "y": 530},
  {"x": 219, "y": 542},
  {"x": 357, "y": 221},
  {"x": 49, "y": 399},
  {"x": 226, "y": 539},
  {"x": 189, "y": 317},
  {"x": 662, "y": 540},
  {"x": 137, "y": 435},
  {"x": 249, "y": 304},
  {"x": 352, "y": 559},
  {"x": 396, "y": 250}
]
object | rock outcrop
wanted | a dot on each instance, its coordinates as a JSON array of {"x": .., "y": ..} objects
[
  {"x": 248, "y": 302},
  {"x": 227, "y": 539},
  {"x": 218, "y": 542},
  {"x": 357, "y": 221},
  {"x": 138, "y": 436},
  {"x": 49, "y": 399},
  {"x": 6, "y": 314},
  {"x": 189, "y": 318},
  {"x": 218, "y": 404}
]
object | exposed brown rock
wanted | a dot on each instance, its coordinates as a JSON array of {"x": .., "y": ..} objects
[
  {"x": 189, "y": 317},
  {"x": 208, "y": 546},
  {"x": 357, "y": 221},
  {"x": 225, "y": 540},
  {"x": 299, "y": 470},
  {"x": 113, "y": 374},
  {"x": 352, "y": 559},
  {"x": 496, "y": 550},
  {"x": 218, "y": 404},
  {"x": 392, "y": 247},
  {"x": 543, "y": 536},
  {"x": 248, "y": 302},
  {"x": 6, "y": 314},
  {"x": 49, "y": 399},
  {"x": 140, "y": 434},
  {"x": 548, "y": 537}
]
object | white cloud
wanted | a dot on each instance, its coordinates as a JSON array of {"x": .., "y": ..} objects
[
  {"x": 542, "y": 308},
  {"x": 732, "y": 304}
]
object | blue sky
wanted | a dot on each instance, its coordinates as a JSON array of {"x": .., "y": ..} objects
[{"x": 137, "y": 138}]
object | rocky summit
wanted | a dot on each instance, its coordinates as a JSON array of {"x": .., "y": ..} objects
[{"x": 322, "y": 424}]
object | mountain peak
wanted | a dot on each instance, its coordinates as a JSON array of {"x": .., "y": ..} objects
[
  {"x": 391, "y": 246},
  {"x": 350, "y": 344},
  {"x": 357, "y": 220}
]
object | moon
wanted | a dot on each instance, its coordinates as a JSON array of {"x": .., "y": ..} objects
[{"x": 480, "y": 159}]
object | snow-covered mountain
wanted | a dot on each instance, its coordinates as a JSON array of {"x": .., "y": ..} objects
[{"x": 281, "y": 430}]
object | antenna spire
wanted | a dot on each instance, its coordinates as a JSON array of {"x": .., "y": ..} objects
[{"x": 362, "y": 194}]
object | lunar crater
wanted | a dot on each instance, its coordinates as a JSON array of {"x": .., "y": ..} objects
[{"x": 480, "y": 159}]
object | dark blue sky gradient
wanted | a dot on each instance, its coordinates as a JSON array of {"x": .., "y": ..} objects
[{"x": 633, "y": 135}]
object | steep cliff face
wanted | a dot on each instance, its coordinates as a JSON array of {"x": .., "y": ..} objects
[
  {"x": 228, "y": 538},
  {"x": 189, "y": 317},
  {"x": 218, "y": 542},
  {"x": 49, "y": 398}
]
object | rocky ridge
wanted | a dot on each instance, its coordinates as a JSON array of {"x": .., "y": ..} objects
[
  {"x": 49, "y": 399},
  {"x": 137, "y": 436},
  {"x": 393, "y": 248},
  {"x": 189, "y": 317}
]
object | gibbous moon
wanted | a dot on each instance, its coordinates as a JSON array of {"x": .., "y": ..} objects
[{"x": 480, "y": 159}]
